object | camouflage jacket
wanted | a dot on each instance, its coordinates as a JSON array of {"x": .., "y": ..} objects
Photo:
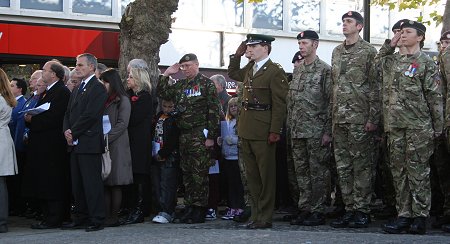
[
  {"x": 444, "y": 65},
  {"x": 355, "y": 92},
  {"x": 308, "y": 100},
  {"x": 411, "y": 92},
  {"x": 196, "y": 103}
]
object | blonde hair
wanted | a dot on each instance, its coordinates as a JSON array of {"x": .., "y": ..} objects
[
  {"x": 142, "y": 79},
  {"x": 229, "y": 116},
  {"x": 5, "y": 89}
]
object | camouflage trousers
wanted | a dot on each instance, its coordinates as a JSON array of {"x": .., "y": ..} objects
[
  {"x": 386, "y": 175},
  {"x": 292, "y": 178},
  {"x": 409, "y": 152},
  {"x": 312, "y": 173},
  {"x": 243, "y": 176},
  {"x": 195, "y": 162},
  {"x": 352, "y": 152}
]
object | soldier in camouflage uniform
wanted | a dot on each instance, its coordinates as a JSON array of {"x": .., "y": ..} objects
[
  {"x": 199, "y": 109},
  {"x": 307, "y": 103},
  {"x": 412, "y": 112},
  {"x": 442, "y": 157},
  {"x": 355, "y": 115},
  {"x": 260, "y": 123}
]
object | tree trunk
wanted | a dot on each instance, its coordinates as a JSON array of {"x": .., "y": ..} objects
[
  {"x": 446, "y": 17},
  {"x": 144, "y": 27}
]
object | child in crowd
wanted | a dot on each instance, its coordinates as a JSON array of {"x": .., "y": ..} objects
[
  {"x": 166, "y": 161},
  {"x": 229, "y": 141}
]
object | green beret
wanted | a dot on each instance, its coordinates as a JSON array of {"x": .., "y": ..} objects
[
  {"x": 415, "y": 25},
  {"x": 445, "y": 36},
  {"x": 297, "y": 56},
  {"x": 188, "y": 57},
  {"x": 258, "y": 38},
  {"x": 308, "y": 34},
  {"x": 355, "y": 15},
  {"x": 399, "y": 24}
]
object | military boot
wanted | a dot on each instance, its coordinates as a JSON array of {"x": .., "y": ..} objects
[
  {"x": 197, "y": 216},
  {"x": 440, "y": 221},
  {"x": 302, "y": 216},
  {"x": 401, "y": 224},
  {"x": 343, "y": 221},
  {"x": 419, "y": 226},
  {"x": 446, "y": 228},
  {"x": 360, "y": 220},
  {"x": 316, "y": 218},
  {"x": 184, "y": 216}
]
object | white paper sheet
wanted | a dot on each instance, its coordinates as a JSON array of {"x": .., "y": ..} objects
[{"x": 34, "y": 111}]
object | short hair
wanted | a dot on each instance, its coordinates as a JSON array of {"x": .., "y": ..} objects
[
  {"x": 22, "y": 84},
  {"x": 58, "y": 69},
  {"x": 142, "y": 79},
  {"x": 101, "y": 67},
  {"x": 66, "y": 73},
  {"x": 138, "y": 63},
  {"x": 72, "y": 73},
  {"x": 221, "y": 79},
  {"x": 91, "y": 59},
  {"x": 269, "y": 46}
]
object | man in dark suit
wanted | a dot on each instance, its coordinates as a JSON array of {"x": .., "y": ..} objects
[
  {"x": 48, "y": 171},
  {"x": 260, "y": 122},
  {"x": 83, "y": 131}
]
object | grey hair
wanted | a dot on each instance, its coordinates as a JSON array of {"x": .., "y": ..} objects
[
  {"x": 221, "y": 79},
  {"x": 138, "y": 63},
  {"x": 91, "y": 59},
  {"x": 101, "y": 67}
]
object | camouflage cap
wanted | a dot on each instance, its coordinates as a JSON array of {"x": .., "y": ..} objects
[
  {"x": 188, "y": 57},
  {"x": 259, "y": 38},
  {"x": 415, "y": 25},
  {"x": 355, "y": 15},
  {"x": 397, "y": 25},
  {"x": 308, "y": 34},
  {"x": 445, "y": 36},
  {"x": 297, "y": 56}
]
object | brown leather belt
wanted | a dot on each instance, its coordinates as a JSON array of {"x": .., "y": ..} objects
[{"x": 256, "y": 106}]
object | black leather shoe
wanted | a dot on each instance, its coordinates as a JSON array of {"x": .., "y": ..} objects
[
  {"x": 343, "y": 221},
  {"x": 302, "y": 216},
  {"x": 244, "y": 216},
  {"x": 419, "y": 226},
  {"x": 360, "y": 220},
  {"x": 137, "y": 216},
  {"x": 3, "y": 228},
  {"x": 440, "y": 221},
  {"x": 94, "y": 227},
  {"x": 315, "y": 219},
  {"x": 44, "y": 226},
  {"x": 446, "y": 228},
  {"x": 73, "y": 226},
  {"x": 401, "y": 224}
]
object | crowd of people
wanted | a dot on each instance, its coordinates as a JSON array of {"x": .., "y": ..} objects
[{"x": 372, "y": 125}]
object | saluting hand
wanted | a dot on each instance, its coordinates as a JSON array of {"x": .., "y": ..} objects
[
  {"x": 395, "y": 39},
  {"x": 241, "y": 49},
  {"x": 172, "y": 69}
]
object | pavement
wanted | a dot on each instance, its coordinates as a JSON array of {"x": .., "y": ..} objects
[{"x": 217, "y": 231}]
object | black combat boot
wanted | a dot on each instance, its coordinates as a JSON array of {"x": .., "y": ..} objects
[
  {"x": 446, "y": 228},
  {"x": 360, "y": 220},
  {"x": 343, "y": 221},
  {"x": 184, "y": 215},
  {"x": 440, "y": 221},
  {"x": 137, "y": 214},
  {"x": 401, "y": 224},
  {"x": 302, "y": 216},
  {"x": 197, "y": 216},
  {"x": 316, "y": 218},
  {"x": 419, "y": 226}
]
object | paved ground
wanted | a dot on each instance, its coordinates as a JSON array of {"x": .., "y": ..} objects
[{"x": 218, "y": 231}]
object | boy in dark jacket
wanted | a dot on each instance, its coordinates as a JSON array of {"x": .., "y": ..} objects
[{"x": 166, "y": 161}]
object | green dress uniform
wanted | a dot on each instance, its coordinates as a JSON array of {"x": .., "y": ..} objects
[
  {"x": 412, "y": 112},
  {"x": 263, "y": 111},
  {"x": 307, "y": 102},
  {"x": 198, "y": 108},
  {"x": 354, "y": 102}
]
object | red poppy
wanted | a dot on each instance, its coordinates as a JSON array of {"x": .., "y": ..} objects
[{"x": 134, "y": 98}]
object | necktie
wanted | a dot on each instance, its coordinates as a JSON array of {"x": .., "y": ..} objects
[
  {"x": 81, "y": 86},
  {"x": 255, "y": 68}
]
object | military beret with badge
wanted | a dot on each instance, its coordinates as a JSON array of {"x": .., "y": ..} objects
[
  {"x": 445, "y": 36},
  {"x": 259, "y": 38},
  {"x": 399, "y": 23},
  {"x": 415, "y": 25},
  {"x": 297, "y": 56},
  {"x": 308, "y": 34},
  {"x": 354, "y": 15},
  {"x": 188, "y": 57}
]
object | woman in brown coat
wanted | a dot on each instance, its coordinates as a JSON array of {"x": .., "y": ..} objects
[{"x": 118, "y": 108}]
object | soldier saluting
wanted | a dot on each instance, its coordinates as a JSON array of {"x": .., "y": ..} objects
[{"x": 260, "y": 122}]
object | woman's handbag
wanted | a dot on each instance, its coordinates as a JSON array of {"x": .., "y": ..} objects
[{"x": 106, "y": 160}]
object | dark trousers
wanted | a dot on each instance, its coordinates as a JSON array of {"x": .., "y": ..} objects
[
  {"x": 87, "y": 187},
  {"x": 235, "y": 189},
  {"x": 164, "y": 180},
  {"x": 53, "y": 211},
  {"x": 3, "y": 201},
  {"x": 214, "y": 191}
]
